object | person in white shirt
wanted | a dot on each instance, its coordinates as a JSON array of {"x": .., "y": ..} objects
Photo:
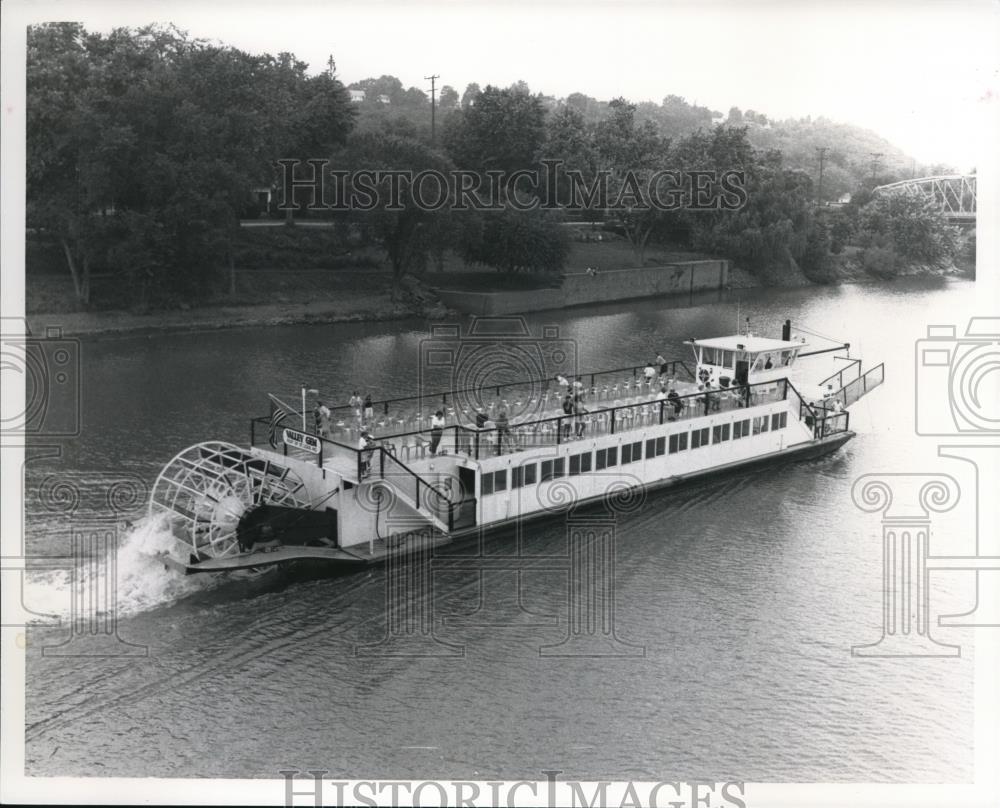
[
  {"x": 649, "y": 373},
  {"x": 355, "y": 404},
  {"x": 437, "y": 430},
  {"x": 323, "y": 413}
]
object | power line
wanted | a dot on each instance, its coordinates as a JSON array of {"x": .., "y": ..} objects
[
  {"x": 819, "y": 192},
  {"x": 432, "y": 79},
  {"x": 876, "y": 156}
]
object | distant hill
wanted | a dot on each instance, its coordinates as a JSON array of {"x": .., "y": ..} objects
[{"x": 847, "y": 165}]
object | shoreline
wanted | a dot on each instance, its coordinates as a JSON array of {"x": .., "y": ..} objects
[
  {"x": 113, "y": 324},
  {"x": 358, "y": 308}
]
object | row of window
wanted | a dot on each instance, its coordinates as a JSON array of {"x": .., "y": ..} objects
[{"x": 527, "y": 474}]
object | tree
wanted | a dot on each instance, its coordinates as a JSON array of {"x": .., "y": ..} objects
[
  {"x": 503, "y": 130},
  {"x": 60, "y": 152},
  {"x": 448, "y": 97},
  {"x": 415, "y": 99},
  {"x": 775, "y": 227},
  {"x": 633, "y": 153},
  {"x": 412, "y": 234},
  {"x": 570, "y": 140},
  {"x": 144, "y": 145},
  {"x": 471, "y": 94},
  {"x": 910, "y": 224},
  {"x": 518, "y": 241}
]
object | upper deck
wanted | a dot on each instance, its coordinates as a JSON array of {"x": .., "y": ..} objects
[{"x": 610, "y": 402}]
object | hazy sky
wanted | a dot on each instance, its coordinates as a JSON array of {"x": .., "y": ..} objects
[{"x": 921, "y": 74}]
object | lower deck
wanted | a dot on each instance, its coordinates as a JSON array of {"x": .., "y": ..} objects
[
  {"x": 419, "y": 538},
  {"x": 451, "y": 491}
]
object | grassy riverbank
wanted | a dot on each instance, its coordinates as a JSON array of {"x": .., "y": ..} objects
[
  {"x": 281, "y": 281},
  {"x": 278, "y": 289}
]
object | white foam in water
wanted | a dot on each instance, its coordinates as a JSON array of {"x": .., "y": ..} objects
[{"x": 144, "y": 581}]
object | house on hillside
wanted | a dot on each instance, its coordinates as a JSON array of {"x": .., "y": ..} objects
[{"x": 357, "y": 96}]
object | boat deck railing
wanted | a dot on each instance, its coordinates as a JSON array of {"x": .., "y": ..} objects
[
  {"x": 861, "y": 386},
  {"x": 599, "y": 385},
  {"x": 553, "y": 428}
]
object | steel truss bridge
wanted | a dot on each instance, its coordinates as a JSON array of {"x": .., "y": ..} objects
[{"x": 954, "y": 195}]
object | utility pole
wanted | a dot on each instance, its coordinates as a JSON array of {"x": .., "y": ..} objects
[
  {"x": 876, "y": 156},
  {"x": 819, "y": 192},
  {"x": 432, "y": 79}
]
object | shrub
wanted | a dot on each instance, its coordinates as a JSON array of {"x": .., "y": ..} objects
[{"x": 880, "y": 261}]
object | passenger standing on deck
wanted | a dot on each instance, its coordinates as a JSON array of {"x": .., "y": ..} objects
[
  {"x": 662, "y": 364},
  {"x": 437, "y": 430},
  {"x": 579, "y": 411},
  {"x": 323, "y": 420},
  {"x": 567, "y": 407},
  {"x": 369, "y": 408},
  {"x": 649, "y": 373},
  {"x": 366, "y": 445},
  {"x": 355, "y": 404},
  {"x": 503, "y": 430}
]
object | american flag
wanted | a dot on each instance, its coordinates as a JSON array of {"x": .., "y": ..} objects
[{"x": 278, "y": 413}]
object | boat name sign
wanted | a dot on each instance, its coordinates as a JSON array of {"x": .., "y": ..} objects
[{"x": 300, "y": 440}]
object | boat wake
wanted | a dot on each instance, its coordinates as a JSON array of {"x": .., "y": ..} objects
[{"x": 144, "y": 582}]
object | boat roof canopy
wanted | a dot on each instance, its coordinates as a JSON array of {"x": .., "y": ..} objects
[{"x": 740, "y": 342}]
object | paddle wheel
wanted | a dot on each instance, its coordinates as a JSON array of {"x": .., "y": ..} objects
[{"x": 211, "y": 491}]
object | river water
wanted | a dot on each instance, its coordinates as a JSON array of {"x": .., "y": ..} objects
[{"x": 737, "y": 600}]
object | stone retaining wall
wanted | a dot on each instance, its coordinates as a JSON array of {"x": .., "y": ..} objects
[{"x": 580, "y": 288}]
